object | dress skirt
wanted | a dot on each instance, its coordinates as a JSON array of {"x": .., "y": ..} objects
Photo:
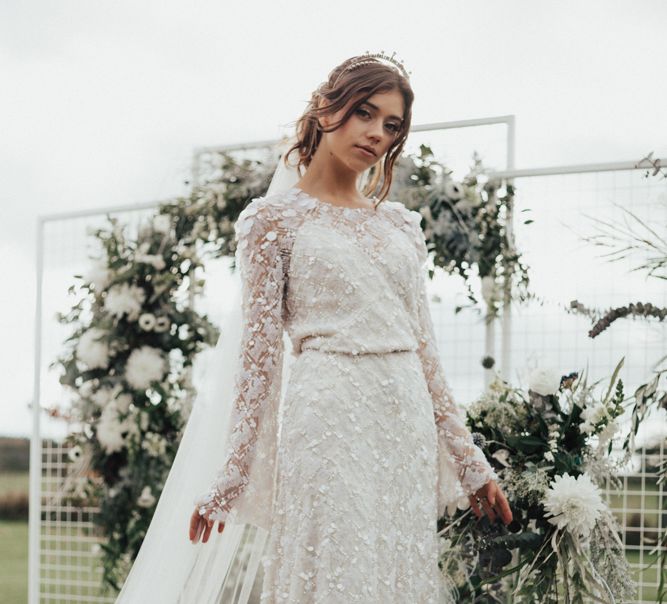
[{"x": 355, "y": 509}]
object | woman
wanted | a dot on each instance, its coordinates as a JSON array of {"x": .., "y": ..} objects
[
  {"x": 334, "y": 463},
  {"x": 371, "y": 448}
]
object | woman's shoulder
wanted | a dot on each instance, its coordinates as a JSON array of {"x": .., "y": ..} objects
[
  {"x": 265, "y": 214},
  {"x": 408, "y": 216}
]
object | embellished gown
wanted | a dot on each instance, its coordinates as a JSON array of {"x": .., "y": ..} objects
[{"x": 370, "y": 448}]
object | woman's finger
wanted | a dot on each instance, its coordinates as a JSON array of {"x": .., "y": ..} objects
[
  {"x": 207, "y": 530},
  {"x": 503, "y": 507},
  {"x": 193, "y": 527},
  {"x": 488, "y": 509},
  {"x": 200, "y": 526}
]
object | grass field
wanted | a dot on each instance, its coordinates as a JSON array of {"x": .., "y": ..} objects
[{"x": 14, "y": 562}]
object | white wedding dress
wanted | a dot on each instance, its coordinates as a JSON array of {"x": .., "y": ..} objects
[{"x": 365, "y": 448}]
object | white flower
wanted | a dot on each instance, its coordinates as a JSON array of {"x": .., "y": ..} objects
[
  {"x": 123, "y": 402},
  {"x": 154, "y": 443},
  {"x": 144, "y": 365},
  {"x": 425, "y": 211},
  {"x": 607, "y": 433},
  {"x": 92, "y": 348},
  {"x": 162, "y": 324},
  {"x": 86, "y": 389},
  {"x": 162, "y": 223},
  {"x": 502, "y": 455},
  {"x": 549, "y": 456},
  {"x": 98, "y": 274},
  {"x": 74, "y": 453},
  {"x": 125, "y": 299},
  {"x": 146, "y": 499},
  {"x": 110, "y": 429},
  {"x": 592, "y": 415},
  {"x": 573, "y": 504},
  {"x": 544, "y": 381},
  {"x": 147, "y": 321},
  {"x": 453, "y": 190}
]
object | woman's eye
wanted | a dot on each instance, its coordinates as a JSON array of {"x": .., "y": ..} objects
[{"x": 393, "y": 128}]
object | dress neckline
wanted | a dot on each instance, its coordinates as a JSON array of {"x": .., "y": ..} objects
[{"x": 321, "y": 202}]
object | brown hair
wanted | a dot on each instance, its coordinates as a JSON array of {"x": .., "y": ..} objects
[{"x": 343, "y": 85}]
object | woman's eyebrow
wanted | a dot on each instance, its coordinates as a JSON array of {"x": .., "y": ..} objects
[{"x": 377, "y": 108}]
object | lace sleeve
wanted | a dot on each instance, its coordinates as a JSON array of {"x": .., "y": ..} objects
[
  {"x": 258, "y": 381},
  {"x": 472, "y": 468}
]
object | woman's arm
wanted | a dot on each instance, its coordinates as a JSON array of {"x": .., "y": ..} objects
[
  {"x": 473, "y": 469},
  {"x": 258, "y": 381}
]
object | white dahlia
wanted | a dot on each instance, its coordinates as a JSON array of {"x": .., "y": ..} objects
[
  {"x": 573, "y": 504},
  {"x": 98, "y": 274},
  {"x": 92, "y": 349},
  {"x": 125, "y": 299},
  {"x": 544, "y": 381},
  {"x": 110, "y": 429},
  {"x": 144, "y": 365}
]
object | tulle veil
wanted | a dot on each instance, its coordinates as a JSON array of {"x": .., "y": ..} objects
[{"x": 226, "y": 569}]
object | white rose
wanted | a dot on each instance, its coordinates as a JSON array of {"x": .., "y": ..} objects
[{"x": 544, "y": 381}]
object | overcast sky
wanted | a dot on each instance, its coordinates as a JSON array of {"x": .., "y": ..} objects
[{"x": 102, "y": 102}]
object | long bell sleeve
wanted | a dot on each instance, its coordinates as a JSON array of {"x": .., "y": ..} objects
[
  {"x": 458, "y": 453},
  {"x": 245, "y": 482}
]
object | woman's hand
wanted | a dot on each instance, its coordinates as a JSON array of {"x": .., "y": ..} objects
[
  {"x": 202, "y": 524},
  {"x": 493, "y": 501}
]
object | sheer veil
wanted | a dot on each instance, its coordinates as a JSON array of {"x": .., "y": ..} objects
[{"x": 169, "y": 567}]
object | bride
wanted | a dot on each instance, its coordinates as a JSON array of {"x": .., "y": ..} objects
[{"x": 332, "y": 464}]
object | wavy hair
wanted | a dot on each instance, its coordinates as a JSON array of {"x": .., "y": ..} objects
[{"x": 342, "y": 86}]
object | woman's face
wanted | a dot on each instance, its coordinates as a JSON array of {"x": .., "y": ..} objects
[{"x": 374, "y": 124}]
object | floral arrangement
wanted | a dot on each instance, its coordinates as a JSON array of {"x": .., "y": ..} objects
[
  {"x": 128, "y": 362},
  {"x": 128, "y": 367},
  {"x": 551, "y": 450},
  {"x": 467, "y": 226}
]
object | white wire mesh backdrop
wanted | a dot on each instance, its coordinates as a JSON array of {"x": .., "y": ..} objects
[{"x": 64, "y": 566}]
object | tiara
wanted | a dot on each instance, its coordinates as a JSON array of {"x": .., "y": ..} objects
[{"x": 369, "y": 57}]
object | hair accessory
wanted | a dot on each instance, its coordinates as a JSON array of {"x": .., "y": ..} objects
[{"x": 369, "y": 57}]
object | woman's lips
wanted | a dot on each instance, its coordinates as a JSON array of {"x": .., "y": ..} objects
[{"x": 367, "y": 153}]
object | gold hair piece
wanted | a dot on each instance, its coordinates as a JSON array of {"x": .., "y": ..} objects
[{"x": 368, "y": 57}]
